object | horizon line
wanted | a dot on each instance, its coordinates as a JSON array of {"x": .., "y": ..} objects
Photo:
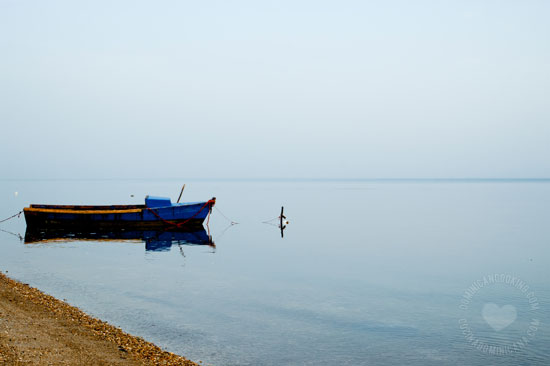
[{"x": 296, "y": 179}]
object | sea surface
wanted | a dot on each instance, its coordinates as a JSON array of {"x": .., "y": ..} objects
[{"x": 374, "y": 272}]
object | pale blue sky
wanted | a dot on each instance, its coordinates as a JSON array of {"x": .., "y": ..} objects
[{"x": 261, "y": 89}]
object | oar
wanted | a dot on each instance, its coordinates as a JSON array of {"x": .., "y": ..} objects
[{"x": 182, "y": 188}]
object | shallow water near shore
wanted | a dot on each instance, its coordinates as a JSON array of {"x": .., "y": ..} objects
[{"x": 368, "y": 272}]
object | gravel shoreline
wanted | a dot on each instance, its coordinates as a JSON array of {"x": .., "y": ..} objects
[{"x": 38, "y": 329}]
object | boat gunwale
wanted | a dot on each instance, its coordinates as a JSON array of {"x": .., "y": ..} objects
[
  {"x": 84, "y": 211},
  {"x": 87, "y": 207},
  {"x": 100, "y": 210}
]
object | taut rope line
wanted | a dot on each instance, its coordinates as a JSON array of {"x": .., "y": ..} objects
[
  {"x": 11, "y": 217},
  {"x": 227, "y": 218}
]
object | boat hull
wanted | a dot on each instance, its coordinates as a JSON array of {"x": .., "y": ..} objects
[{"x": 141, "y": 217}]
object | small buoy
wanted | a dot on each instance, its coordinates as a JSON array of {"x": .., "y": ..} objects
[
  {"x": 16, "y": 194},
  {"x": 131, "y": 195}
]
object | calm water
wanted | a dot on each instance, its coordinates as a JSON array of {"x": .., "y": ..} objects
[{"x": 368, "y": 273}]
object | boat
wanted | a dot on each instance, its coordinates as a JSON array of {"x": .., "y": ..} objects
[
  {"x": 155, "y": 240},
  {"x": 157, "y": 212}
]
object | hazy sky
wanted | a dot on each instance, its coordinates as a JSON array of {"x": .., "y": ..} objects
[{"x": 260, "y": 89}]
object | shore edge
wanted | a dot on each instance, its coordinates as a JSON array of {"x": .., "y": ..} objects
[{"x": 27, "y": 313}]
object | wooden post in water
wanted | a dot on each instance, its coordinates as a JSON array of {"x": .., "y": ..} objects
[
  {"x": 281, "y": 222},
  {"x": 182, "y": 188}
]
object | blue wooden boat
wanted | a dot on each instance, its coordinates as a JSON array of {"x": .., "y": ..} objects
[{"x": 157, "y": 212}]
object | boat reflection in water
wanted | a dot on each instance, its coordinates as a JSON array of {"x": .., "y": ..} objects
[{"x": 155, "y": 240}]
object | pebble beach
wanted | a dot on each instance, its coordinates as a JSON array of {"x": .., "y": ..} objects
[{"x": 38, "y": 329}]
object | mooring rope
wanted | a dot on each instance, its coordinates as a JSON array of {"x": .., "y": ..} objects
[
  {"x": 208, "y": 203},
  {"x": 11, "y": 217},
  {"x": 227, "y": 218},
  {"x": 273, "y": 219}
]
